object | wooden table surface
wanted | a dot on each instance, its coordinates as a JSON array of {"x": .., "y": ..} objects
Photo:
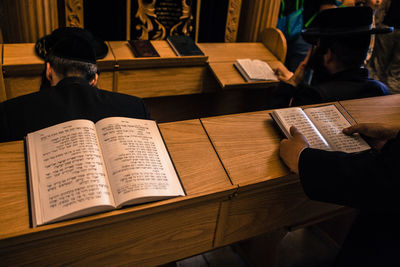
[
  {"x": 223, "y": 55},
  {"x": 247, "y": 144},
  {"x": 383, "y": 109}
]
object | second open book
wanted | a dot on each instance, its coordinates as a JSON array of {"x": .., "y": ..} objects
[
  {"x": 78, "y": 168},
  {"x": 322, "y": 127}
]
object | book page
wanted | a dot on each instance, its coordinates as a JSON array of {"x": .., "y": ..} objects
[
  {"x": 288, "y": 117},
  {"x": 330, "y": 122},
  {"x": 256, "y": 69},
  {"x": 137, "y": 161},
  {"x": 67, "y": 170}
]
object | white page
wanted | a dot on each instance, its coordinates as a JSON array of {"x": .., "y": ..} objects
[
  {"x": 330, "y": 122},
  {"x": 296, "y": 117},
  {"x": 67, "y": 172},
  {"x": 257, "y": 69},
  {"x": 137, "y": 160}
]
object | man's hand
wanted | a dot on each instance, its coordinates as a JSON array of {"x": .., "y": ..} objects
[
  {"x": 297, "y": 77},
  {"x": 283, "y": 73},
  {"x": 290, "y": 149},
  {"x": 376, "y": 134}
]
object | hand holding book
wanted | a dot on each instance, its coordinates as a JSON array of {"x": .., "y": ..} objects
[{"x": 290, "y": 149}]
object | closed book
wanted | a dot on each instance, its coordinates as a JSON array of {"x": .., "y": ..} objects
[
  {"x": 184, "y": 46},
  {"x": 143, "y": 48}
]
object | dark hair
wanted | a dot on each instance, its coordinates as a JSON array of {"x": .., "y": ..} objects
[
  {"x": 69, "y": 67},
  {"x": 350, "y": 51}
]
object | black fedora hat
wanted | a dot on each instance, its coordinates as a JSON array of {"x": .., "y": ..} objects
[
  {"x": 44, "y": 45},
  {"x": 342, "y": 22}
]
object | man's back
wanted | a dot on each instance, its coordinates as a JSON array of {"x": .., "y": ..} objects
[{"x": 72, "y": 98}]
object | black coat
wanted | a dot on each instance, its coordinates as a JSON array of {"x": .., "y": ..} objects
[
  {"x": 368, "y": 181},
  {"x": 72, "y": 98},
  {"x": 349, "y": 84}
]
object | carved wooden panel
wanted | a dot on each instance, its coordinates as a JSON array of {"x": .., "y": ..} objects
[
  {"x": 74, "y": 13},
  {"x": 232, "y": 20},
  {"x": 157, "y": 19}
]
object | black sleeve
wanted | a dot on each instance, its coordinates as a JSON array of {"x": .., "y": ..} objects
[
  {"x": 302, "y": 95},
  {"x": 4, "y": 131},
  {"x": 366, "y": 180}
]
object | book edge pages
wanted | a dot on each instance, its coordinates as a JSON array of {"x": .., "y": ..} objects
[{"x": 33, "y": 185}]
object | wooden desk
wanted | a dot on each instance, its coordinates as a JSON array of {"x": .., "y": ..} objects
[
  {"x": 160, "y": 76},
  {"x": 223, "y": 55},
  {"x": 268, "y": 198},
  {"x": 120, "y": 71},
  {"x": 23, "y": 69},
  {"x": 148, "y": 234},
  {"x": 257, "y": 197}
]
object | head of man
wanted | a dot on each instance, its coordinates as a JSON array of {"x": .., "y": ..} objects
[
  {"x": 71, "y": 56},
  {"x": 341, "y": 38},
  {"x": 70, "y": 51}
]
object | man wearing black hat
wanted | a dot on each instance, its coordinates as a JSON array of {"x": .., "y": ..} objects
[
  {"x": 341, "y": 38},
  {"x": 71, "y": 71}
]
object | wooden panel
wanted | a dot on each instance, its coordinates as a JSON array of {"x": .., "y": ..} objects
[
  {"x": 105, "y": 81},
  {"x": 156, "y": 82},
  {"x": 383, "y": 109},
  {"x": 3, "y": 96},
  {"x": 13, "y": 190},
  {"x": 275, "y": 41},
  {"x": 267, "y": 207},
  {"x": 248, "y": 145},
  {"x": 232, "y": 20},
  {"x": 187, "y": 142},
  {"x": 20, "y": 58},
  {"x": 229, "y": 52},
  {"x": 16, "y": 86},
  {"x": 74, "y": 13},
  {"x": 145, "y": 241}
]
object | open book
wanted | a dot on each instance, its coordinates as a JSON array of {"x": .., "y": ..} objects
[
  {"x": 255, "y": 70},
  {"x": 322, "y": 126},
  {"x": 77, "y": 168}
]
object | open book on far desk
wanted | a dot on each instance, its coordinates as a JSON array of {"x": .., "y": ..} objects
[
  {"x": 255, "y": 70},
  {"x": 322, "y": 126},
  {"x": 78, "y": 168}
]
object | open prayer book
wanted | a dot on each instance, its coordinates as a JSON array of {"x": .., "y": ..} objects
[
  {"x": 78, "y": 168},
  {"x": 255, "y": 70},
  {"x": 322, "y": 126}
]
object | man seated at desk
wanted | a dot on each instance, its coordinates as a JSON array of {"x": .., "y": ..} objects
[
  {"x": 341, "y": 38},
  {"x": 368, "y": 181},
  {"x": 71, "y": 71}
]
